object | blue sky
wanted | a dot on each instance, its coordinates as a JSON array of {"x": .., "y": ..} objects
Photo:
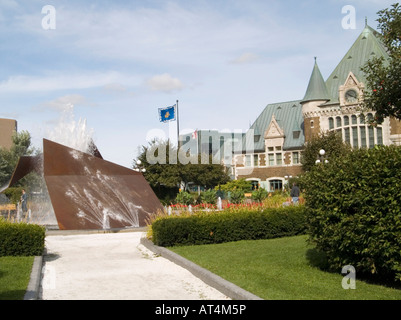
[{"x": 117, "y": 62}]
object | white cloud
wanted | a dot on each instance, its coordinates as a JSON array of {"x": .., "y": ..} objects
[
  {"x": 61, "y": 103},
  {"x": 64, "y": 81},
  {"x": 164, "y": 82},
  {"x": 247, "y": 57}
]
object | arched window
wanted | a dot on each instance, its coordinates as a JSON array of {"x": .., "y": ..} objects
[
  {"x": 331, "y": 123},
  {"x": 346, "y": 121},
  {"x": 354, "y": 119},
  {"x": 338, "y": 122}
]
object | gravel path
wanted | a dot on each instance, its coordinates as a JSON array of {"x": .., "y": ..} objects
[{"x": 115, "y": 266}]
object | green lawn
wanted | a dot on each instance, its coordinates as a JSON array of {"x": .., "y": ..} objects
[
  {"x": 14, "y": 277},
  {"x": 283, "y": 268}
]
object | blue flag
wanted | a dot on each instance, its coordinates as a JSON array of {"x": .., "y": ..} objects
[{"x": 167, "y": 114}]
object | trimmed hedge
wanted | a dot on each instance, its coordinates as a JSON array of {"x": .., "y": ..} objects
[
  {"x": 354, "y": 210},
  {"x": 21, "y": 239},
  {"x": 229, "y": 226}
]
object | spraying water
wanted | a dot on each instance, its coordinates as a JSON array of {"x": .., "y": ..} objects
[{"x": 72, "y": 133}]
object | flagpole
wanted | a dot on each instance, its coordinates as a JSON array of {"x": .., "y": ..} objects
[{"x": 178, "y": 128}]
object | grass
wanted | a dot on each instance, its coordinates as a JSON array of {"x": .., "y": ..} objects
[
  {"x": 14, "y": 277},
  {"x": 280, "y": 269}
]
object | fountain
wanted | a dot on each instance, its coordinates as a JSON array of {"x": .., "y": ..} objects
[
  {"x": 85, "y": 191},
  {"x": 219, "y": 204},
  {"x": 88, "y": 192}
]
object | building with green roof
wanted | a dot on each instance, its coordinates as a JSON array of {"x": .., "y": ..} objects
[{"x": 272, "y": 147}]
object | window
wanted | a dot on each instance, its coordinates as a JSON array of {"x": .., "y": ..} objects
[
  {"x": 379, "y": 132},
  {"x": 338, "y": 122},
  {"x": 279, "y": 159},
  {"x": 255, "y": 160},
  {"x": 312, "y": 124},
  {"x": 331, "y": 123},
  {"x": 346, "y": 121},
  {"x": 362, "y": 119},
  {"x": 347, "y": 137},
  {"x": 271, "y": 159},
  {"x": 296, "y": 134},
  {"x": 255, "y": 184},
  {"x": 276, "y": 185},
  {"x": 295, "y": 158},
  {"x": 278, "y": 148},
  {"x": 363, "y": 136},
  {"x": 271, "y": 149},
  {"x": 256, "y": 138},
  {"x": 371, "y": 134},
  {"x": 355, "y": 142},
  {"x": 247, "y": 161},
  {"x": 354, "y": 119}
]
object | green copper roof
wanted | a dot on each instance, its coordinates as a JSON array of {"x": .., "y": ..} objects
[
  {"x": 317, "y": 89},
  {"x": 367, "y": 46},
  {"x": 288, "y": 116}
]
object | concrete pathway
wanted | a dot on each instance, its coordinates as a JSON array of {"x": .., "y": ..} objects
[{"x": 115, "y": 266}]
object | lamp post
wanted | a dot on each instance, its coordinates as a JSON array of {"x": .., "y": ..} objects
[
  {"x": 321, "y": 158},
  {"x": 138, "y": 166}
]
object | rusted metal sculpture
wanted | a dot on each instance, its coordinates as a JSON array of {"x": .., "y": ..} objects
[{"x": 88, "y": 192}]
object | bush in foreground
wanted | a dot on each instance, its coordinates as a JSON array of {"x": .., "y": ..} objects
[
  {"x": 21, "y": 239},
  {"x": 354, "y": 212},
  {"x": 226, "y": 226}
]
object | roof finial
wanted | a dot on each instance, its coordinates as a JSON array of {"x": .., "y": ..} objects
[
  {"x": 366, "y": 21},
  {"x": 315, "y": 59}
]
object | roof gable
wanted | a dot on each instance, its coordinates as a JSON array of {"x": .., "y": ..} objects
[
  {"x": 287, "y": 116},
  {"x": 367, "y": 46},
  {"x": 274, "y": 130}
]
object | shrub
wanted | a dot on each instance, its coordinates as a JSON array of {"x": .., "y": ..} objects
[
  {"x": 354, "y": 212},
  {"x": 184, "y": 198},
  {"x": 206, "y": 228},
  {"x": 259, "y": 195},
  {"x": 236, "y": 196},
  {"x": 21, "y": 239},
  {"x": 209, "y": 196}
]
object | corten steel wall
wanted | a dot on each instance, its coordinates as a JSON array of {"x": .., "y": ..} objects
[{"x": 88, "y": 192}]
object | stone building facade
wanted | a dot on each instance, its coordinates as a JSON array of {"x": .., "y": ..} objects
[
  {"x": 282, "y": 129},
  {"x": 7, "y": 128}
]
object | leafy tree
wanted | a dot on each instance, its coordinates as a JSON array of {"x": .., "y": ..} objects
[
  {"x": 165, "y": 167},
  {"x": 330, "y": 142},
  {"x": 383, "y": 85},
  {"x": 9, "y": 158}
]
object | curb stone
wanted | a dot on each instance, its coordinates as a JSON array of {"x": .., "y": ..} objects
[
  {"x": 215, "y": 281},
  {"x": 32, "y": 291}
]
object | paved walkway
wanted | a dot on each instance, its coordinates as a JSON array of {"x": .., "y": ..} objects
[{"x": 115, "y": 266}]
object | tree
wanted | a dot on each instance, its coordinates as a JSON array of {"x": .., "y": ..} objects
[
  {"x": 330, "y": 142},
  {"x": 164, "y": 167},
  {"x": 9, "y": 158},
  {"x": 383, "y": 83}
]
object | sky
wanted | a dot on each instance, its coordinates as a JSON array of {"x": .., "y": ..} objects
[{"x": 113, "y": 64}]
